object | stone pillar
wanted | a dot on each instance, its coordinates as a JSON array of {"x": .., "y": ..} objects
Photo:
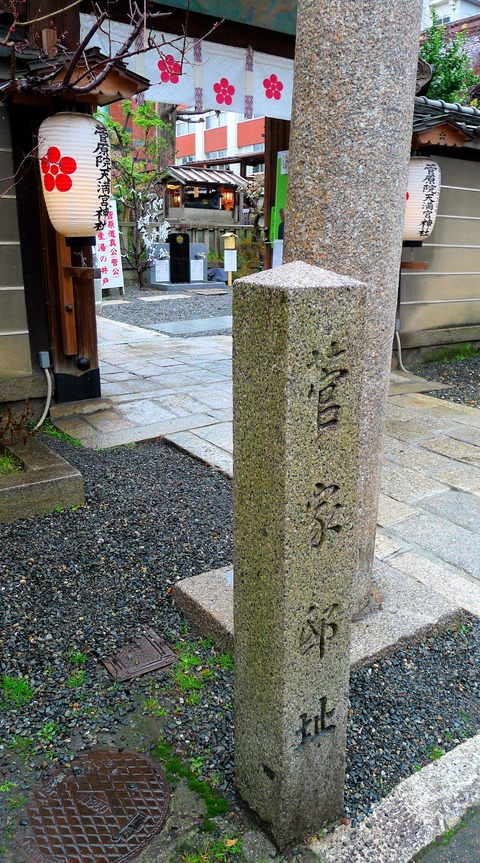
[
  {"x": 298, "y": 335},
  {"x": 350, "y": 141}
]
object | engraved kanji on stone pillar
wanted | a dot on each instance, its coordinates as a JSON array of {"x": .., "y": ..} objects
[{"x": 297, "y": 373}]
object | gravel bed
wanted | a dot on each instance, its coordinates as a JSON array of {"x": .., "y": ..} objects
[
  {"x": 86, "y": 579},
  {"x": 148, "y": 315},
  {"x": 462, "y": 376}
]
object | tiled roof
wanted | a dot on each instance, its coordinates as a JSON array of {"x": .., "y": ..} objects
[{"x": 204, "y": 176}]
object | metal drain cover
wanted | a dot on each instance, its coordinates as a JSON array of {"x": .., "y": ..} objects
[
  {"x": 149, "y": 653},
  {"x": 106, "y": 807}
]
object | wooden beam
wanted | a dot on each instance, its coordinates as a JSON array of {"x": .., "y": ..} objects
[{"x": 67, "y": 300}]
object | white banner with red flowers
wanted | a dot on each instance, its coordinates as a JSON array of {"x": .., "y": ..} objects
[
  {"x": 223, "y": 78},
  {"x": 272, "y": 86},
  {"x": 171, "y": 72},
  {"x": 204, "y": 75}
]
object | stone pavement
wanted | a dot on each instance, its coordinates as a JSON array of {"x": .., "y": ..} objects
[
  {"x": 429, "y": 517},
  {"x": 180, "y": 389}
]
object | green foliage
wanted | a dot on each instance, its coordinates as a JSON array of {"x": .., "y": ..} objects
[
  {"x": 7, "y": 786},
  {"x": 434, "y": 752},
  {"x": 52, "y": 431},
  {"x": 220, "y": 851},
  {"x": 151, "y": 707},
  {"x": 449, "y": 834},
  {"x": 21, "y": 745},
  {"x": 77, "y": 657},
  {"x": 141, "y": 146},
  {"x": 9, "y": 465},
  {"x": 175, "y": 769},
  {"x": 47, "y": 733},
  {"x": 14, "y": 691},
  {"x": 16, "y": 802},
  {"x": 78, "y": 678},
  {"x": 454, "y": 353},
  {"x": 249, "y": 257},
  {"x": 453, "y": 76}
]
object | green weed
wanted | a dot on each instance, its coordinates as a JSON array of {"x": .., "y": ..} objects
[
  {"x": 77, "y": 657},
  {"x": 7, "y": 786},
  {"x": 449, "y": 834},
  {"x": 434, "y": 752},
  {"x": 454, "y": 353},
  {"x": 9, "y": 465},
  {"x": 220, "y": 851},
  {"x": 196, "y": 764},
  {"x": 77, "y": 679},
  {"x": 15, "y": 691},
  {"x": 186, "y": 682},
  {"x": 151, "y": 707},
  {"x": 49, "y": 429},
  {"x": 22, "y": 745},
  {"x": 225, "y": 660},
  {"x": 215, "y": 803},
  {"x": 48, "y": 732},
  {"x": 16, "y": 802}
]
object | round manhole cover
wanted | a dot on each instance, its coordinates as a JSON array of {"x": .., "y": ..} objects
[{"x": 106, "y": 807}]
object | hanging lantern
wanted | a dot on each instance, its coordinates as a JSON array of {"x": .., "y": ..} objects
[
  {"x": 423, "y": 192},
  {"x": 75, "y": 164}
]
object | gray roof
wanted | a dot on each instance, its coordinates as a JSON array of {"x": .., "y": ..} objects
[
  {"x": 429, "y": 113},
  {"x": 204, "y": 176}
]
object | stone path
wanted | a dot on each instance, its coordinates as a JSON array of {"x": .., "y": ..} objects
[{"x": 180, "y": 389}]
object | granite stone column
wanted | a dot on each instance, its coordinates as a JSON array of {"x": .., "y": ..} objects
[
  {"x": 353, "y": 93},
  {"x": 297, "y": 380}
]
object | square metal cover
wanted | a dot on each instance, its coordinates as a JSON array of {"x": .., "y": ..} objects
[{"x": 147, "y": 653}]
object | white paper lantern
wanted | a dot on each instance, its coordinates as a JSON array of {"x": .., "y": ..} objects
[
  {"x": 423, "y": 192},
  {"x": 75, "y": 163}
]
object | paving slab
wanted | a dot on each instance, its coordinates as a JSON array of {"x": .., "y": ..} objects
[
  {"x": 439, "y": 408},
  {"x": 416, "y": 429},
  {"x": 417, "y": 811},
  {"x": 456, "y": 506},
  {"x": 456, "y": 449},
  {"x": 409, "y": 611},
  {"x": 391, "y": 510},
  {"x": 197, "y": 325},
  {"x": 461, "y": 476},
  {"x": 407, "y": 485},
  {"x": 441, "y": 538},
  {"x": 461, "y": 847},
  {"x": 443, "y": 579},
  {"x": 207, "y": 452},
  {"x": 46, "y": 482},
  {"x": 415, "y": 457},
  {"x": 163, "y": 297}
]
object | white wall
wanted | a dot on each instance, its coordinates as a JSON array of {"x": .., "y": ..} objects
[{"x": 456, "y": 10}]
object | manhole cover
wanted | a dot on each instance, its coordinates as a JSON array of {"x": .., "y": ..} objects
[
  {"x": 149, "y": 653},
  {"x": 107, "y": 807}
]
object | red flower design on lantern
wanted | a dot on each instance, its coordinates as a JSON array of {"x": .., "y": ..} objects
[
  {"x": 56, "y": 169},
  {"x": 224, "y": 91},
  {"x": 170, "y": 69},
  {"x": 273, "y": 87}
]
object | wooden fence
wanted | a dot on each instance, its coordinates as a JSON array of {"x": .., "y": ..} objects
[{"x": 209, "y": 235}]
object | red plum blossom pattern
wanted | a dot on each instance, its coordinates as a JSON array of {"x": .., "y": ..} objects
[
  {"x": 273, "y": 87},
  {"x": 57, "y": 169},
  {"x": 224, "y": 91}
]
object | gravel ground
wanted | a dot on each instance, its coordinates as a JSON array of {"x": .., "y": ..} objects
[
  {"x": 462, "y": 376},
  {"x": 84, "y": 581},
  {"x": 145, "y": 314}
]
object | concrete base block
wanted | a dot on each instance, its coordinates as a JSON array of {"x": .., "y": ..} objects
[
  {"x": 46, "y": 482},
  {"x": 408, "y": 611}
]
